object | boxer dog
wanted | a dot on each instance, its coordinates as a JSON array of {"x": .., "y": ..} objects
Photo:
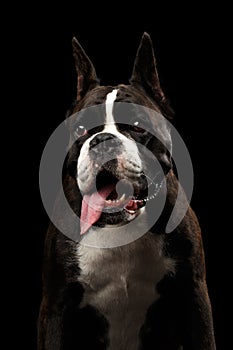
[{"x": 149, "y": 293}]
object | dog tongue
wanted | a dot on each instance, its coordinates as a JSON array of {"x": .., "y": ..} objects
[{"x": 92, "y": 207}]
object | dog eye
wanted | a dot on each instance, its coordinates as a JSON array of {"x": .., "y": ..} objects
[
  {"x": 137, "y": 127},
  {"x": 80, "y": 131}
]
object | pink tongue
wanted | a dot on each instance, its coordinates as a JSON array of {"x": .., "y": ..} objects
[{"x": 92, "y": 207}]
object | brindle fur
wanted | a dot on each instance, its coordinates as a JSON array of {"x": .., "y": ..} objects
[{"x": 181, "y": 318}]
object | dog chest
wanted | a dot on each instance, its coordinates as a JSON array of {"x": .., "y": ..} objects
[{"x": 121, "y": 283}]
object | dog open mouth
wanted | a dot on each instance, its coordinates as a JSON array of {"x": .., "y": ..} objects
[{"x": 112, "y": 196}]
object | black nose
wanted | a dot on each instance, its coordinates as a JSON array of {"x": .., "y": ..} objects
[{"x": 105, "y": 141}]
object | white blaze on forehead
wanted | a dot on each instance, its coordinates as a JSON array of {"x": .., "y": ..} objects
[{"x": 109, "y": 103}]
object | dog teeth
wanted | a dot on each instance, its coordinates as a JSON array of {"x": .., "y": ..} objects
[
  {"x": 131, "y": 211},
  {"x": 115, "y": 201},
  {"x": 96, "y": 165},
  {"x": 122, "y": 198}
]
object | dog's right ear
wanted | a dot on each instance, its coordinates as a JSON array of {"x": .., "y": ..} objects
[
  {"x": 86, "y": 75},
  {"x": 145, "y": 75},
  {"x": 145, "y": 72}
]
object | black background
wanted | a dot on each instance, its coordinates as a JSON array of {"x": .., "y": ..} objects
[{"x": 188, "y": 47}]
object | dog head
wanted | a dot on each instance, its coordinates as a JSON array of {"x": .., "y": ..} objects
[{"x": 110, "y": 127}]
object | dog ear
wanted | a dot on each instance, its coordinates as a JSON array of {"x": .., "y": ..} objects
[
  {"x": 145, "y": 74},
  {"x": 86, "y": 75}
]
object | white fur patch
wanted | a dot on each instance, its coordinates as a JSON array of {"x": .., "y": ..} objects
[
  {"x": 130, "y": 146},
  {"x": 121, "y": 283},
  {"x": 129, "y": 151},
  {"x": 109, "y": 121}
]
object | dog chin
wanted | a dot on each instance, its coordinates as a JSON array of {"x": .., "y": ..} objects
[{"x": 117, "y": 218}]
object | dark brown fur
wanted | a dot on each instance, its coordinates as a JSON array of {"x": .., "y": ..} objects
[{"x": 181, "y": 318}]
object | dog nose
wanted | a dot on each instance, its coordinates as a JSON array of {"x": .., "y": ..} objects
[{"x": 105, "y": 140}]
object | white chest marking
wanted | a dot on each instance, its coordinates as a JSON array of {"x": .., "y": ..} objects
[{"x": 121, "y": 284}]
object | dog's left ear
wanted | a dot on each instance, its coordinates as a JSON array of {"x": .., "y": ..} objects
[
  {"x": 87, "y": 78},
  {"x": 145, "y": 73}
]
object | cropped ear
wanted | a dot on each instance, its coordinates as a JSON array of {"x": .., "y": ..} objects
[
  {"x": 145, "y": 74},
  {"x": 86, "y": 75}
]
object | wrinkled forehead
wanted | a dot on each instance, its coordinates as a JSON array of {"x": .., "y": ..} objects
[{"x": 125, "y": 94}]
